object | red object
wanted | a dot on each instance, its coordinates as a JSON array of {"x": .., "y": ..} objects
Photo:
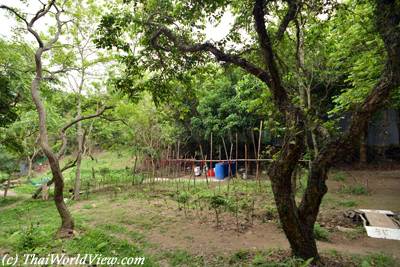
[{"x": 211, "y": 173}]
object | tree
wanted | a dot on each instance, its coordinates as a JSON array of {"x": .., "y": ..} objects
[
  {"x": 14, "y": 73},
  {"x": 167, "y": 30},
  {"x": 44, "y": 45},
  {"x": 85, "y": 59},
  {"x": 8, "y": 165}
]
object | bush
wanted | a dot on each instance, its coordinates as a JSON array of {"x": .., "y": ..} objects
[
  {"x": 320, "y": 233},
  {"x": 339, "y": 176},
  {"x": 241, "y": 255},
  {"x": 348, "y": 203},
  {"x": 378, "y": 260},
  {"x": 354, "y": 190},
  {"x": 32, "y": 239}
]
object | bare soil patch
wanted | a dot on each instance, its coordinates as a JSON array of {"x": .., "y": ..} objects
[{"x": 165, "y": 226}]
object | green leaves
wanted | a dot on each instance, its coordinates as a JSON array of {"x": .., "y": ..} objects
[
  {"x": 15, "y": 75},
  {"x": 356, "y": 53}
]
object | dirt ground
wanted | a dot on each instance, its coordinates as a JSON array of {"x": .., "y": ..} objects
[
  {"x": 10, "y": 193},
  {"x": 166, "y": 227},
  {"x": 383, "y": 188}
]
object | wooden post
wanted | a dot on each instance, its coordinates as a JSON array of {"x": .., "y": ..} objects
[
  {"x": 226, "y": 151},
  {"x": 236, "y": 157},
  {"x": 245, "y": 157},
  {"x": 205, "y": 162},
  {"x": 178, "y": 157},
  {"x": 258, "y": 154},
  {"x": 8, "y": 186}
]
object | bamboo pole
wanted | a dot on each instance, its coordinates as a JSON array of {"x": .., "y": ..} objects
[
  {"x": 245, "y": 162},
  {"x": 211, "y": 153},
  {"x": 236, "y": 156},
  {"x": 258, "y": 154},
  {"x": 226, "y": 151}
]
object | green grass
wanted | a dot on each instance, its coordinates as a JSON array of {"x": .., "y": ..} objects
[
  {"x": 357, "y": 232},
  {"x": 31, "y": 228},
  {"x": 347, "y": 203},
  {"x": 266, "y": 259},
  {"x": 113, "y": 228},
  {"x": 239, "y": 256},
  {"x": 4, "y": 202},
  {"x": 378, "y": 260},
  {"x": 339, "y": 176},
  {"x": 25, "y": 189},
  {"x": 353, "y": 190},
  {"x": 183, "y": 258},
  {"x": 320, "y": 233}
]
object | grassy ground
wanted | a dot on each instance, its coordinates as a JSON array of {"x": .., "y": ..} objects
[{"x": 175, "y": 223}]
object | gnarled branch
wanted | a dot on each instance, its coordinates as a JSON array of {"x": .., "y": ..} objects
[{"x": 207, "y": 47}]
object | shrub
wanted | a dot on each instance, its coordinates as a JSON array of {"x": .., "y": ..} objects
[
  {"x": 378, "y": 260},
  {"x": 239, "y": 256},
  {"x": 354, "y": 190},
  {"x": 320, "y": 233},
  {"x": 348, "y": 203},
  {"x": 339, "y": 176}
]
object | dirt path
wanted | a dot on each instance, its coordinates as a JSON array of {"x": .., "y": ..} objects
[{"x": 10, "y": 193}]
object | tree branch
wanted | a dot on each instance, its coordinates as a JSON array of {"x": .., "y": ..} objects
[
  {"x": 115, "y": 120},
  {"x": 50, "y": 44},
  {"x": 80, "y": 118},
  {"x": 207, "y": 47},
  {"x": 14, "y": 12},
  {"x": 279, "y": 93},
  {"x": 293, "y": 9}
]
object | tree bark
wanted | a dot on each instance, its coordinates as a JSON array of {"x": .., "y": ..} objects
[
  {"x": 67, "y": 223},
  {"x": 363, "y": 146}
]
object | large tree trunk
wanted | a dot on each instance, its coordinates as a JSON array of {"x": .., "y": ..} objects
[
  {"x": 299, "y": 233},
  {"x": 297, "y": 227}
]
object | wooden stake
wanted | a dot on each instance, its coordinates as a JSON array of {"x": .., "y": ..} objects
[
  {"x": 258, "y": 154},
  {"x": 245, "y": 156},
  {"x": 226, "y": 151},
  {"x": 236, "y": 157}
]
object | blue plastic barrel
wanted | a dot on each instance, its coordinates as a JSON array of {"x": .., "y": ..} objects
[{"x": 220, "y": 171}]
